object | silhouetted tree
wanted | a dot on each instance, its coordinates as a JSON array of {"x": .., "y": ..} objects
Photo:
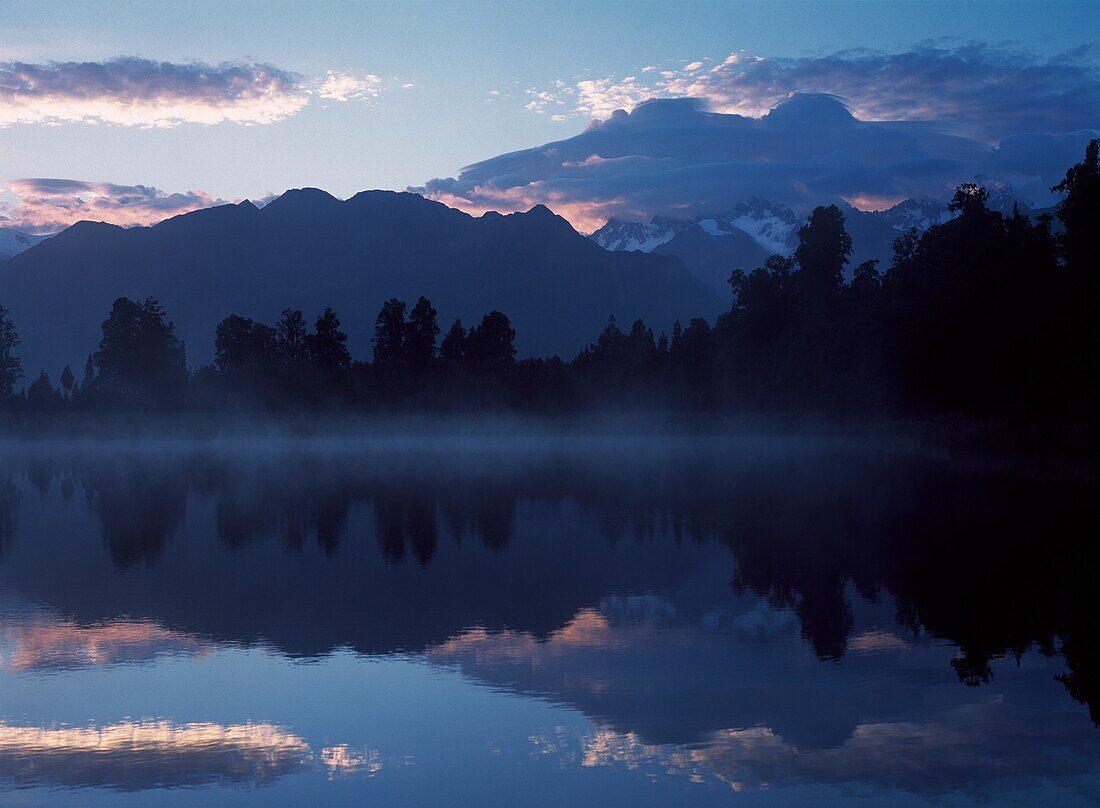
[
  {"x": 982, "y": 314},
  {"x": 89, "y": 374},
  {"x": 242, "y": 345},
  {"x": 969, "y": 199},
  {"x": 419, "y": 347},
  {"x": 390, "y": 330},
  {"x": 1079, "y": 248},
  {"x": 453, "y": 349},
  {"x": 490, "y": 346},
  {"x": 68, "y": 381},
  {"x": 1078, "y": 212},
  {"x": 694, "y": 356},
  {"x": 822, "y": 253},
  {"x": 10, "y": 368},
  {"x": 956, "y": 297},
  {"x": 328, "y": 344},
  {"x": 290, "y": 334},
  {"x": 41, "y": 397},
  {"x": 139, "y": 356}
]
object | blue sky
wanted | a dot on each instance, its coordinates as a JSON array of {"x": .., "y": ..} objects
[{"x": 440, "y": 85}]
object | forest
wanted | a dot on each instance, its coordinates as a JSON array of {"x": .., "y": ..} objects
[{"x": 986, "y": 314}]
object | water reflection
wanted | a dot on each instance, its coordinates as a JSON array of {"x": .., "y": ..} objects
[
  {"x": 933, "y": 758},
  {"x": 37, "y": 641},
  {"x": 751, "y": 613},
  {"x": 131, "y": 756}
]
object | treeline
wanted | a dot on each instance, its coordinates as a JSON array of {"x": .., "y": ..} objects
[{"x": 985, "y": 314}]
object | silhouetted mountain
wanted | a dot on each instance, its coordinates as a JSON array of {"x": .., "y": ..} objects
[
  {"x": 712, "y": 258},
  {"x": 309, "y": 250}
]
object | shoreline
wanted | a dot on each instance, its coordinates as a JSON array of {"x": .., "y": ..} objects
[{"x": 1064, "y": 445}]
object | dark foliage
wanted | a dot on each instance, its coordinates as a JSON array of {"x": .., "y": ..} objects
[
  {"x": 986, "y": 314},
  {"x": 140, "y": 362}
]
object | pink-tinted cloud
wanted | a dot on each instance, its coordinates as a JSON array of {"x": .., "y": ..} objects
[
  {"x": 130, "y": 91},
  {"x": 45, "y": 205},
  {"x": 586, "y": 214}
]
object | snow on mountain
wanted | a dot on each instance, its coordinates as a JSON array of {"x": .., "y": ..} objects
[
  {"x": 1003, "y": 197},
  {"x": 620, "y": 236},
  {"x": 13, "y": 242},
  {"x": 774, "y": 226},
  {"x": 918, "y": 214},
  {"x": 771, "y": 225}
]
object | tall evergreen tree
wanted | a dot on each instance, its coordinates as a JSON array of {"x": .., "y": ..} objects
[
  {"x": 328, "y": 344},
  {"x": 490, "y": 345},
  {"x": 824, "y": 247},
  {"x": 390, "y": 330},
  {"x": 139, "y": 356},
  {"x": 41, "y": 396},
  {"x": 453, "y": 349},
  {"x": 243, "y": 345},
  {"x": 89, "y": 374},
  {"x": 1079, "y": 212},
  {"x": 290, "y": 335},
  {"x": 423, "y": 329},
  {"x": 68, "y": 380}
]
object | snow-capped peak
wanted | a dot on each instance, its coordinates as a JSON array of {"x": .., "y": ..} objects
[
  {"x": 13, "y": 242},
  {"x": 915, "y": 214},
  {"x": 618, "y": 235},
  {"x": 772, "y": 225}
]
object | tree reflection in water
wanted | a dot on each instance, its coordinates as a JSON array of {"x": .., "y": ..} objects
[{"x": 992, "y": 560}]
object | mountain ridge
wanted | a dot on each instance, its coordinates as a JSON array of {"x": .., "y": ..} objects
[{"x": 308, "y": 250}]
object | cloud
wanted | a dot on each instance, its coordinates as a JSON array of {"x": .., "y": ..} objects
[
  {"x": 348, "y": 86},
  {"x": 600, "y": 98},
  {"x": 548, "y": 99},
  {"x": 131, "y": 91},
  {"x": 977, "y": 90},
  {"x": 677, "y": 157},
  {"x": 45, "y": 205}
]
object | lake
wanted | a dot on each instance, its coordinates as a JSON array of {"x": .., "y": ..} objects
[{"x": 549, "y": 621}]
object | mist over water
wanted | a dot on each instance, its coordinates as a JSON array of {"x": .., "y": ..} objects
[{"x": 501, "y": 615}]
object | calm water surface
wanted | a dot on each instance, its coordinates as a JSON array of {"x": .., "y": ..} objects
[{"x": 612, "y": 623}]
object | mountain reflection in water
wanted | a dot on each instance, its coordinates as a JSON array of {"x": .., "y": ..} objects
[{"x": 750, "y": 612}]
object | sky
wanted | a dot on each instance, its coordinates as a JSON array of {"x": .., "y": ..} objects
[{"x": 130, "y": 112}]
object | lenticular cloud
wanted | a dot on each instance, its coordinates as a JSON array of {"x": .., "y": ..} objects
[{"x": 676, "y": 157}]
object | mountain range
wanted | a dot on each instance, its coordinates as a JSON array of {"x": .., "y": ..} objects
[
  {"x": 308, "y": 250},
  {"x": 712, "y": 246}
]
